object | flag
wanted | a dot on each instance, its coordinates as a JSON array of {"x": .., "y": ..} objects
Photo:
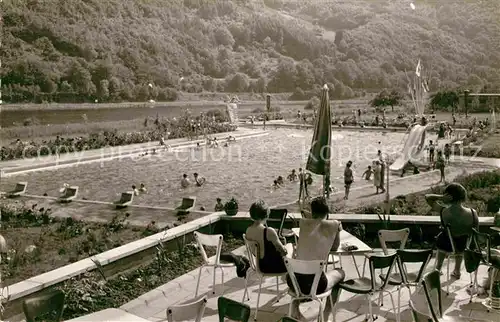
[{"x": 419, "y": 69}]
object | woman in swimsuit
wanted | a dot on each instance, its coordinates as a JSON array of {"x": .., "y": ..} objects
[
  {"x": 271, "y": 248},
  {"x": 348, "y": 179},
  {"x": 460, "y": 220}
]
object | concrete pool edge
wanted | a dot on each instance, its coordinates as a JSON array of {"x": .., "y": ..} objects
[
  {"x": 131, "y": 255},
  {"x": 111, "y": 154}
]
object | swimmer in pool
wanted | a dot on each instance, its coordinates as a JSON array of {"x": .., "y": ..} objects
[
  {"x": 134, "y": 189},
  {"x": 143, "y": 188},
  {"x": 199, "y": 180},
  {"x": 367, "y": 175},
  {"x": 219, "y": 206},
  {"x": 276, "y": 185},
  {"x": 154, "y": 151},
  {"x": 292, "y": 176},
  {"x": 280, "y": 180},
  {"x": 185, "y": 181}
]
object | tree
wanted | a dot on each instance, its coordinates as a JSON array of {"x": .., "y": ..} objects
[
  {"x": 103, "y": 90},
  {"x": 445, "y": 99},
  {"x": 385, "y": 98},
  {"x": 81, "y": 79},
  {"x": 65, "y": 87},
  {"x": 239, "y": 82}
]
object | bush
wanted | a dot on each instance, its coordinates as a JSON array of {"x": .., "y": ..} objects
[{"x": 312, "y": 104}]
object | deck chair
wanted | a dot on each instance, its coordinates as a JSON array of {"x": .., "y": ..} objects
[
  {"x": 52, "y": 302},
  {"x": 19, "y": 190},
  {"x": 70, "y": 194},
  {"x": 186, "y": 206},
  {"x": 192, "y": 311},
  {"x": 276, "y": 220},
  {"x": 125, "y": 200}
]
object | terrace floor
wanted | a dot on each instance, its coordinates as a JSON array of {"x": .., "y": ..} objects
[{"x": 153, "y": 305}]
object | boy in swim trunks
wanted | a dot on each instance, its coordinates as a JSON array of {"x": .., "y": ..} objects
[
  {"x": 447, "y": 153},
  {"x": 367, "y": 175},
  {"x": 348, "y": 179},
  {"x": 432, "y": 149}
]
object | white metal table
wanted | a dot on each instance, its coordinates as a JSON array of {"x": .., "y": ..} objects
[{"x": 347, "y": 238}]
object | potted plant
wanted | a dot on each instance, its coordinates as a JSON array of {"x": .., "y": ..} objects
[{"x": 231, "y": 207}]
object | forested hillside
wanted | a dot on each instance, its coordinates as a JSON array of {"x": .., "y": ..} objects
[{"x": 111, "y": 50}]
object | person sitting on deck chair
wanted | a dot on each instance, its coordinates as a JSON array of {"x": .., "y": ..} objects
[
  {"x": 318, "y": 237},
  {"x": 271, "y": 248},
  {"x": 460, "y": 219}
]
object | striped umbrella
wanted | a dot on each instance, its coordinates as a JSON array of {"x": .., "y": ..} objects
[{"x": 320, "y": 152}]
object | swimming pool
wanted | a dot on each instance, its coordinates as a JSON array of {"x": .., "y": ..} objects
[{"x": 244, "y": 170}]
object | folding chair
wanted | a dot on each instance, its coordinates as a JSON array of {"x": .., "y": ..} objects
[
  {"x": 192, "y": 311},
  {"x": 210, "y": 241},
  {"x": 37, "y": 306},
  {"x": 369, "y": 286},
  {"x": 276, "y": 220},
  {"x": 312, "y": 268},
  {"x": 252, "y": 246},
  {"x": 405, "y": 278},
  {"x": 232, "y": 310}
]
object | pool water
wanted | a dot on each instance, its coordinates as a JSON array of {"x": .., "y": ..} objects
[{"x": 244, "y": 170}]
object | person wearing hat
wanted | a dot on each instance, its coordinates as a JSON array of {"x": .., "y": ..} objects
[{"x": 460, "y": 219}]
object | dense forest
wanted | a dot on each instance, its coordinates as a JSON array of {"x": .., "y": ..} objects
[{"x": 136, "y": 50}]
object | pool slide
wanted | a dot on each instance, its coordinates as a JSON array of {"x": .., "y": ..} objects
[{"x": 409, "y": 150}]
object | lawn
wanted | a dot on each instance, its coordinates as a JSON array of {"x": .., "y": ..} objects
[{"x": 38, "y": 242}]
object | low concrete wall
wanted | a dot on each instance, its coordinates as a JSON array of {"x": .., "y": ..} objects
[{"x": 111, "y": 262}]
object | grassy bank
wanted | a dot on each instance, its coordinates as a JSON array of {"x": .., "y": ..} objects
[
  {"x": 490, "y": 146},
  {"x": 38, "y": 242},
  {"x": 483, "y": 195}
]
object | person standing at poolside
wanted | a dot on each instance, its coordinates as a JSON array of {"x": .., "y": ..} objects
[
  {"x": 447, "y": 153},
  {"x": 348, "y": 179},
  {"x": 382, "y": 170},
  {"x": 303, "y": 184},
  {"x": 376, "y": 175},
  {"x": 432, "y": 149},
  {"x": 440, "y": 164}
]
